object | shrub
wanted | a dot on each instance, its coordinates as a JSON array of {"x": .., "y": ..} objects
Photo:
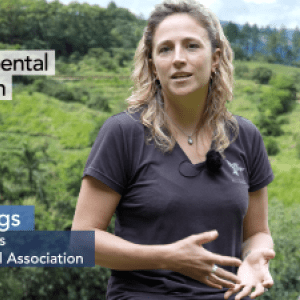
[
  {"x": 296, "y": 78},
  {"x": 271, "y": 145},
  {"x": 284, "y": 224},
  {"x": 239, "y": 53},
  {"x": 286, "y": 99},
  {"x": 276, "y": 101},
  {"x": 283, "y": 82},
  {"x": 286, "y": 84},
  {"x": 100, "y": 60},
  {"x": 297, "y": 140},
  {"x": 10, "y": 287},
  {"x": 60, "y": 91},
  {"x": 64, "y": 68},
  {"x": 94, "y": 133},
  {"x": 25, "y": 80},
  {"x": 74, "y": 57},
  {"x": 64, "y": 283},
  {"x": 262, "y": 75},
  {"x": 283, "y": 119},
  {"x": 248, "y": 90},
  {"x": 268, "y": 125},
  {"x": 45, "y": 218},
  {"x": 99, "y": 102},
  {"x": 269, "y": 101},
  {"x": 241, "y": 71},
  {"x": 80, "y": 94},
  {"x": 122, "y": 56},
  {"x": 71, "y": 174}
]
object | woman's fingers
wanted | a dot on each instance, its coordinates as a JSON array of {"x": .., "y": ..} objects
[
  {"x": 209, "y": 282},
  {"x": 268, "y": 283},
  {"x": 245, "y": 291},
  {"x": 226, "y": 260},
  {"x": 259, "y": 290},
  {"x": 233, "y": 290},
  {"x": 268, "y": 280},
  {"x": 190, "y": 258},
  {"x": 217, "y": 280},
  {"x": 221, "y": 273}
]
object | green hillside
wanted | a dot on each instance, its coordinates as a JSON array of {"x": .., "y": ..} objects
[
  {"x": 51, "y": 139},
  {"x": 286, "y": 164},
  {"x": 69, "y": 127}
]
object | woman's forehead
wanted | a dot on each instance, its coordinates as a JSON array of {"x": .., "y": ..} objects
[{"x": 178, "y": 27}]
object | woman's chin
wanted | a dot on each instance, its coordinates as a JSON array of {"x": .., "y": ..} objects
[{"x": 186, "y": 92}]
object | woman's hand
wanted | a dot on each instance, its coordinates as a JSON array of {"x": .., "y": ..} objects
[
  {"x": 189, "y": 258},
  {"x": 253, "y": 273}
]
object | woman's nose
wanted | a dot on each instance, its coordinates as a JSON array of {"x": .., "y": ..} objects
[{"x": 179, "y": 57}]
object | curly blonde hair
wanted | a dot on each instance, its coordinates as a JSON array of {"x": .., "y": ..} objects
[{"x": 146, "y": 94}]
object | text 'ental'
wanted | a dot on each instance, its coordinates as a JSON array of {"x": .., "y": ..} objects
[{"x": 23, "y": 62}]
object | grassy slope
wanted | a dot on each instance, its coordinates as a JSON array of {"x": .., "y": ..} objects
[
  {"x": 286, "y": 165},
  {"x": 69, "y": 124}
]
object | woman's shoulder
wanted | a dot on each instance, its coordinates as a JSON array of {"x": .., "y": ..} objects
[
  {"x": 248, "y": 134},
  {"x": 246, "y": 126},
  {"x": 124, "y": 121}
]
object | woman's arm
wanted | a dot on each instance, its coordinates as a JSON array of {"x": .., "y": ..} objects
[
  {"x": 257, "y": 248},
  {"x": 95, "y": 207},
  {"x": 256, "y": 233}
]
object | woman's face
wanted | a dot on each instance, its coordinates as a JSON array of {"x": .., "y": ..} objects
[{"x": 182, "y": 56}]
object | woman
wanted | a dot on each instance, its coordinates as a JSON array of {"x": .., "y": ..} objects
[{"x": 187, "y": 180}]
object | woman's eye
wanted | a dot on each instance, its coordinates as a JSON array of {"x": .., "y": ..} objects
[
  {"x": 164, "y": 49},
  {"x": 193, "y": 46}
]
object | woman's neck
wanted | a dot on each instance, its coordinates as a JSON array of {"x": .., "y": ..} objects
[{"x": 186, "y": 112}]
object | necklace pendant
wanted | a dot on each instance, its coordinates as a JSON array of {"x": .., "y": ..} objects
[{"x": 190, "y": 141}]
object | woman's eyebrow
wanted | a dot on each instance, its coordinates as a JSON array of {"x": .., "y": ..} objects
[
  {"x": 163, "y": 42},
  {"x": 186, "y": 39}
]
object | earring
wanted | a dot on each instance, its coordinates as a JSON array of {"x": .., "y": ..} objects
[
  {"x": 213, "y": 75},
  {"x": 157, "y": 83}
]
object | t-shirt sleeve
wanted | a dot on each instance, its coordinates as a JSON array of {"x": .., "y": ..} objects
[
  {"x": 261, "y": 173},
  {"x": 108, "y": 161}
]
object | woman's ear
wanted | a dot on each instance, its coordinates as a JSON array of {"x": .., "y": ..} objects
[
  {"x": 216, "y": 60},
  {"x": 152, "y": 67}
]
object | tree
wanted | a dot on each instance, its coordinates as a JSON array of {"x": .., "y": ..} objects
[
  {"x": 4, "y": 170},
  {"x": 296, "y": 43},
  {"x": 231, "y": 31},
  {"x": 31, "y": 159},
  {"x": 245, "y": 38},
  {"x": 272, "y": 45},
  {"x": 283, "y": 42},
  {"x": 111, "y": 5},
  {"x": 255, "y": 34}
]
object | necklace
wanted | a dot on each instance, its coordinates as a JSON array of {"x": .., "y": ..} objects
[{"x": 189, "y": 136}]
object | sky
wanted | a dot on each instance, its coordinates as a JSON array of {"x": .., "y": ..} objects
[{"x": 275, "y": 13}]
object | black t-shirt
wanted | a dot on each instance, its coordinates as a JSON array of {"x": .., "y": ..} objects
[{"x": 166, "y": 198}]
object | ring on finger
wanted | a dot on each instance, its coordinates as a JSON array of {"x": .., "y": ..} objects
[{"x": 214, "y": 269}]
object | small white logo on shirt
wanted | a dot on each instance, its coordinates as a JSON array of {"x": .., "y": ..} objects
[{"x": 235, "y": 168}]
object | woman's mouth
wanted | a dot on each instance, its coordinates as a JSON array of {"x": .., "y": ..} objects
[{"x": 179, "y": 77}]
